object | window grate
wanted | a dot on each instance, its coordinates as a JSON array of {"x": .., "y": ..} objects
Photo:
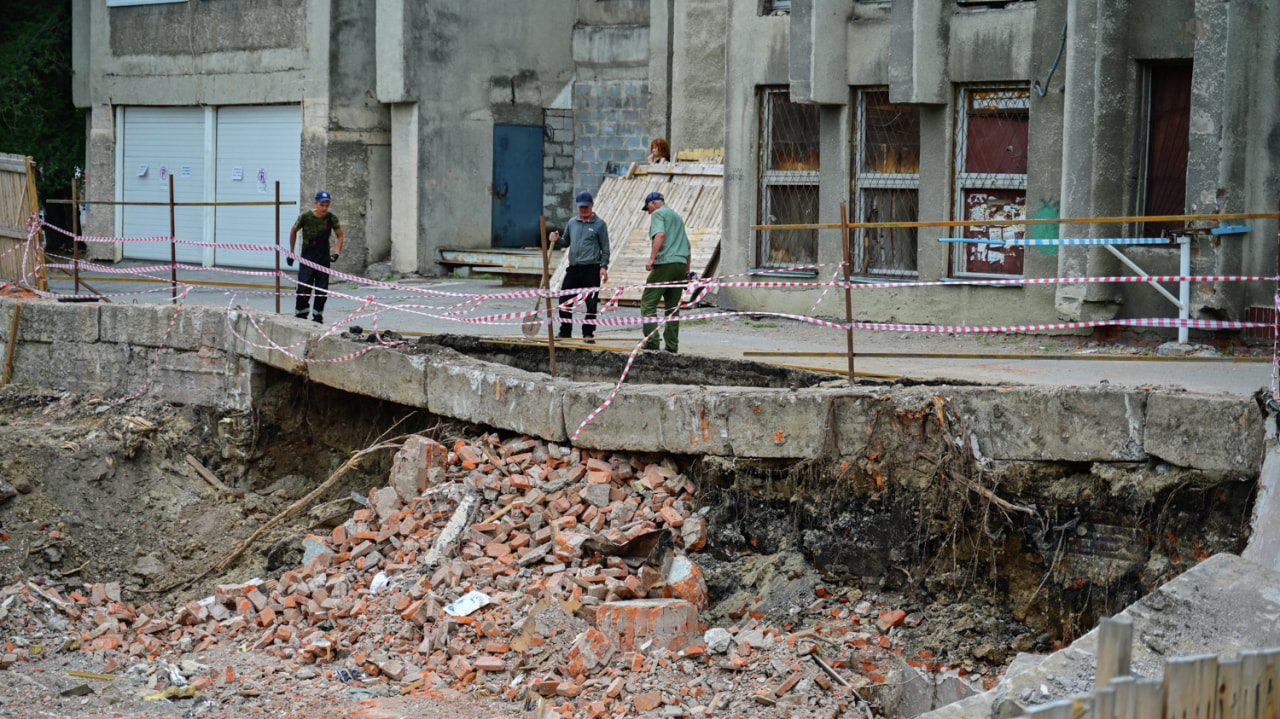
[
  {"x": 886, "y": 185},
  {"x": 789, "y": 165},
  {"x": 991, "y": 176}
]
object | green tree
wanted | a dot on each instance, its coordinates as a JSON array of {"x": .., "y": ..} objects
[{"x": 37, "y": 117}]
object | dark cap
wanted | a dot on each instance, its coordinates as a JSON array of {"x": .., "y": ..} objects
[
  {"x": 584, "y": 199},
  {"x": 651, "y": 197},
  {"x": 322, "y": 196}
]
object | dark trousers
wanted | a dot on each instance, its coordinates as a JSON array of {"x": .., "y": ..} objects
[
  {"x": 577, "y": 277},
  {"x": 670, "y": 298},
  {"x": 308, "y": 278}
]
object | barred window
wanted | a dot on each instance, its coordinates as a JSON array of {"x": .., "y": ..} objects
[
  {"x": 886, "y": 184},
  {"x": 991, "y": 176},
  {"x": 789, "y": 165}
]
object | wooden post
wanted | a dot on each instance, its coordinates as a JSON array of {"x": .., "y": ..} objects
[
  {"x": 848, "y": 298},
  {"x": 33, "y": 202},
  {"x": 75, "y": 232},
  {"x": 1115, "y": 650},
  {"x": 13, "y": 343},
  {"x": 277, "y": 247},
  {"x": 173, "y": 242},
  {"x": 1125, "y": 694},
  {"x": 1191, "y": 686},
  {"x": 546, "y": 282},
  {"x": 1230, "y": 697}
]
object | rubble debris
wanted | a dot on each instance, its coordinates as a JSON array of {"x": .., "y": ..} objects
[{"x": 554, "y": 599}]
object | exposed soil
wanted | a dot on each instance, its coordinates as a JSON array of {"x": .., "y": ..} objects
[{"x": 986, "y": 561}]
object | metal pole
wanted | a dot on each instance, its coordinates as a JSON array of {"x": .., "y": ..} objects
[
  {"x": 848, "y": 298},
  {"x": 277, "y": 247},
  {"x": 1184, "y": 286},
  {"x": 75, "y": 232},
  {"x": 546, "y": 282},
  {"x": 173, "y": 242}
]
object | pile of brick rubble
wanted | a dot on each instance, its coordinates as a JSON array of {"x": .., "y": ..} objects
[{"x": 562, "y": 580}]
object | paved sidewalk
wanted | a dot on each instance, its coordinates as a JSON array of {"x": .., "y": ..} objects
[{"x": 1063, "y": 359}]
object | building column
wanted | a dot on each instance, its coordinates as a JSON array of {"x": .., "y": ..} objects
[{"x": 404, "y": 187}]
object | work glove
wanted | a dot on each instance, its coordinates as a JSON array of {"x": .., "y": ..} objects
[
  {"x": 288, "y": 261},
  {"x": 333, "y": 257}
]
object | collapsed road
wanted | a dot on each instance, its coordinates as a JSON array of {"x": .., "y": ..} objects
[{"x": 835, "y": 535}]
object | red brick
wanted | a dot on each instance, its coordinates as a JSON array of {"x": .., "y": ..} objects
[
  {"x": 671, "y": 516},
  {"x": 647, "y": 701},
  {"x": 891, "y": 619},
  {"x": 627, "y": 624},
  {"x": 490, "y": 664},
  {"x": 787, "y": 685}
]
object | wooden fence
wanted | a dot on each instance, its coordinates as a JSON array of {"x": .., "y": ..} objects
[
  {"x": 17, "y": 203},
  {"x": 1194, "y": 687}
]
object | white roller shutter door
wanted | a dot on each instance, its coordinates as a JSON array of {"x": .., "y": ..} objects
[
  {"x": 157, "y": 142},
  {"x": 265, "y": 142}
]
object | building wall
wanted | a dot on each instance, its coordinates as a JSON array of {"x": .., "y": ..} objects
[
  {"x": 266, "y": 52},
  {"x": 557, "y": 168},
  {"x": 1086, "y": 146}
]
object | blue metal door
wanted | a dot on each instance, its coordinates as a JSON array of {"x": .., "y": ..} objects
[{"x": 517, "y": 185}]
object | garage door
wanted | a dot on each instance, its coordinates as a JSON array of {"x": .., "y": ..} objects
[
  {"x": 159, "y": 142},
  {"x": 257, "y": 145}
]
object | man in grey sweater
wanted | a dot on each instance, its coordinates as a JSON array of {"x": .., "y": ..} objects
[{"x": 588, "y": 263}]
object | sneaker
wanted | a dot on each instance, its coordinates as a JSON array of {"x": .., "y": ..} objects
[
  {"x": 317, "y": 317},
  {"x": 300, "y": 315},
  {"x": 647, "y": 348}
]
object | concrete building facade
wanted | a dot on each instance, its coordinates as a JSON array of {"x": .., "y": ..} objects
[
  {"x": 434, "y": 125},
  {"x": 956, "y": 110},
  {"x": 415, "y": 115}
]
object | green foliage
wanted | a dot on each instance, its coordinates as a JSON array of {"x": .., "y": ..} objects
[{"x": 37, "y": 117}]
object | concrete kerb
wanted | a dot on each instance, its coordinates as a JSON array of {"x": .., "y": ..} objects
[
  {"x": 62, "y": 345},
  {"x": 512, "y": 399},
  {"x": 1205, "y": 432},
  {"x": 651, "y": 418},
  {"x": 381, "y": 372},
  {"x": 1070, "y": 424}
]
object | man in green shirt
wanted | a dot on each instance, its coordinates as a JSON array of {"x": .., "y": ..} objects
[
  {"x": 668, "y": 262},
  {"x": 316, "y": 226}
]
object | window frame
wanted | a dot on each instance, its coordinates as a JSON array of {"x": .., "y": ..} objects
[
  {"x": 867, "y": 181},
  {"x": 963, "y": 182},
  {"x": 769, "y": 178}
]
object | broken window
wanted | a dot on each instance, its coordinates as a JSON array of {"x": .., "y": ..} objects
[
  {"x": 1168, "y": 145},
  {"x": 886, "y": 184},
  {"x": 788, "y": 180},
  {"x": 991, "y": 176}
]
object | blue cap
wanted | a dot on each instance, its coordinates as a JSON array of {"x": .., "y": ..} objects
[
  {"x": 584, "y": 199},
  {"x": 651, "y": 197},
  {"x": 322, "y": 196}
]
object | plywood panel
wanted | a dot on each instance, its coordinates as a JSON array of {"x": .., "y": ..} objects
[{"x": 694, "y": 190}]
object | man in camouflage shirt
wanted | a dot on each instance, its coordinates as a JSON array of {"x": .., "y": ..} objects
[{"x": 316, "y": 226}]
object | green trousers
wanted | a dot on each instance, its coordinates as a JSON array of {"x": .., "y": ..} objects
[{"x": 670, "y": 296}]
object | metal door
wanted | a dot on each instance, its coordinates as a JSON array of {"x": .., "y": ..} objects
[{"x": 517, "y": 185}]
